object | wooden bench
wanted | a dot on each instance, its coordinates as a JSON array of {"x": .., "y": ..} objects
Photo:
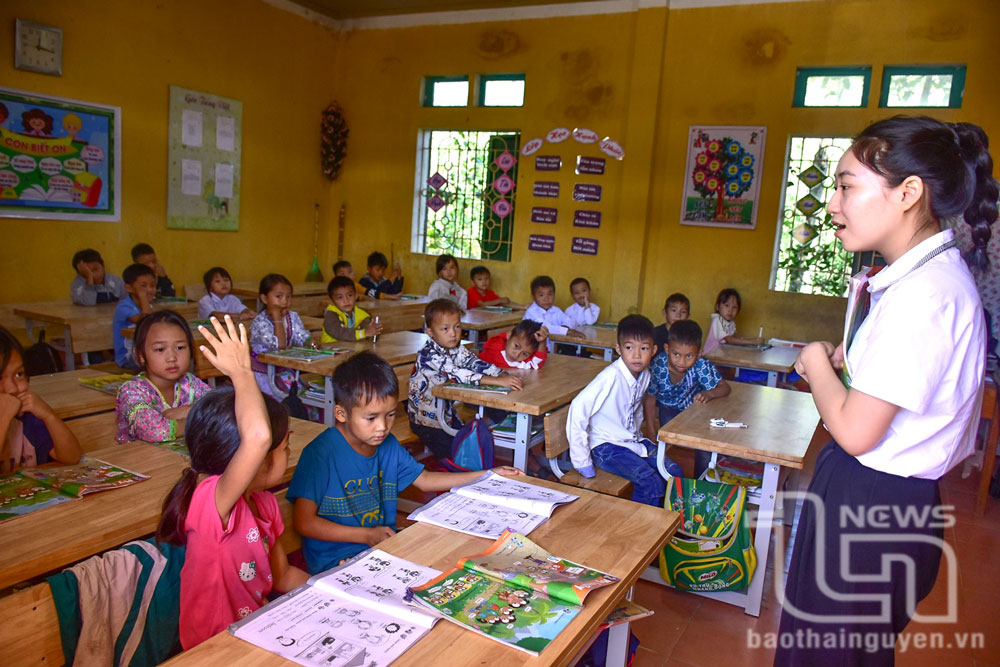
[
  {"x": 990, "y": 411},
  {"x": 556, "y": 443}
]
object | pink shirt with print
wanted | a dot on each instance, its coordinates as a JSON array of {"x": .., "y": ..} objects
[{"x": 227, "y": 572}]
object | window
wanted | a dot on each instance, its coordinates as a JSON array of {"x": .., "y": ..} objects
[
  {"x": 501, "y": 90},
  {"x": 808, "y": 259},
  {"x": 832, "y": 86},
  {"x": 465, "y": 193},
  {"x": 923, "y": 86},
  {"x": 446, "y": 91}
]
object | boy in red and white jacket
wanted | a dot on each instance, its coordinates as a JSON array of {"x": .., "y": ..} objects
[{"x": 521, "y": 347}]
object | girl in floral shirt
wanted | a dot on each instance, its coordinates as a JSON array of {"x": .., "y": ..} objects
[
  {"x": 276, "y": 327},
  {"x": 152, "y": 404}
]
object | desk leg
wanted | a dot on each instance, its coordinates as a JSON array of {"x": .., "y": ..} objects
[
  {"x": 617, "y": 655},
  {"x": 661, "y": 454},
  {"x": 762, "y": 541},
  {"x": 277, "y": 393},
  {"x": 608, "y": 353},
  {"x": 328, "y": 400},
  {"x": 522, "y": 434},
  {"x": 68, "y": 347},
  {"x": 772, "y": 378},
  {"x": 474, "y": 338}
]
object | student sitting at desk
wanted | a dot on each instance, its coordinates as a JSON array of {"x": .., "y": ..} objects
[
  {"x": 219, "y": 299},
  {"x": 348, "y": 479},
  {"x": 677, "y": 307},
  {"x": 521, "y": 347},
  {"x": 143, "y": 253},
  {"x": 723, "y": 327},
  {"x": 681, "y": 376},
  {"x": 444, "y": 359},
  {"x": 92, "y": 285},
  {"x": 582, "y": 311},
  {"x": 445, "y": 286},
  {"x": 480, "y": 294},
  {"x": 545, "y": 311},
  {"x": 375, "y": 283},
  {"x": 151, "y": 405},
  {"x": 343, "y": 268},
  {"x": 603, "y": 426},
  {"x": 140, "y": 286},
  {"x": 32, "y": 433},
  {"x": 276, "y": 327},
  {"x": 343, "y": 320}
]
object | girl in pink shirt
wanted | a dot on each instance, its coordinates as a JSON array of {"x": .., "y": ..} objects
[{"x": 238, "y": 440}]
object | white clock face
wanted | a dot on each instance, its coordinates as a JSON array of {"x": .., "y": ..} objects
[{"x": 38, "y": 48}]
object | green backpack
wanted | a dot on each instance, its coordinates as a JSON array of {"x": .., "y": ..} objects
[{"x": 713, "y": 549}]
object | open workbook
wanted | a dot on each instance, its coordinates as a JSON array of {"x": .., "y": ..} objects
[
  {"x": 515, "y": 592},
  {"x": 491, "y": 504},
  {"x": 109, "y": 384},
  {"x": 31, "y": 489},
  {"x": 353, "y": 615}
]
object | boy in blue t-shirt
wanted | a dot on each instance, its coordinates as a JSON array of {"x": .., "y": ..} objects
[
  {"x": 140, "y": 288},
  {"x": 348, "y": 479},
  {"x": 680, "y": 377}
]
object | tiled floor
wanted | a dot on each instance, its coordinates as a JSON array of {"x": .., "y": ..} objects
[{"x": 692, "y": 631}]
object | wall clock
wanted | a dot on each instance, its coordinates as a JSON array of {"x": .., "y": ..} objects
[{"x": 38, "y": 48}]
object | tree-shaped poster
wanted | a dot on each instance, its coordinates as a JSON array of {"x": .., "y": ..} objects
[{"x": 722, "y": 176}]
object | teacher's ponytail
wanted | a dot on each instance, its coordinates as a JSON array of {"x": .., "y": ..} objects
[{"x": 982, "y": 212}]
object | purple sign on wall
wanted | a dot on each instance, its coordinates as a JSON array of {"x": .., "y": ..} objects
[
  {"x": 541, "y": 242},
  {"x": 584, "y": 246},
  {"x": 550, "y": 189},
  {"x": 586, "y": 218},
  {"x": 585, "y": 192},
  {"x": 544, "y": 214},
  {"x": 589, "y": 165},
  {"x": 548, "y": 163}
]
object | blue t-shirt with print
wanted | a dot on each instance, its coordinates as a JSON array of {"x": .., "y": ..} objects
[
  {"x": 125, "y": 309},
  {"x": 700, "y": 377},
  {"x": 350, "y": 489}
]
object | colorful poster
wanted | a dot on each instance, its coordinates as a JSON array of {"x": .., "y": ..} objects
[
  {"x": 203, "y": 165},
  {"x": 59, "y": 159},
  {"x": 722, "y": 177}
]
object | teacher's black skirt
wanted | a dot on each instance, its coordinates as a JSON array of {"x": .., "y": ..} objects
[{"x": 874, "y": 542}]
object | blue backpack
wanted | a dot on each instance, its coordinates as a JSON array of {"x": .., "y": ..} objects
[{"x": 471, "y": 448}]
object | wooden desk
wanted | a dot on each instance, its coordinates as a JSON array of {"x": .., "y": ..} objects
[
  {"x": 307, "y": 298},
  {"x": 781, "y": 427},
  {"x": 605, "y": 338},
  {"x": 774, "y": 360},
  {"x": 397, "y": 348},
  {"x": 397, "y": 314},
  {"x": 630, "y": 536},
  {"x": 478, "y": 321},
  {"x": 87, "y": 328},
  {"x": 555, "y": 384},
  {"x": 68, "y": 398}
]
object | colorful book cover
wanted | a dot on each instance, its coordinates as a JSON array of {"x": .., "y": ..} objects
[
  {"x": 178, "y": 445},
  {"x": 109, "y": 384},
  {"x": 522, "y": 603},
  {"x": 626, "y": 612}
]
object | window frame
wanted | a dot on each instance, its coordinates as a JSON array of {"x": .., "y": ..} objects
[
  {"x": 957, "y": 73},
  {"x": 803, "y": 74},
  {"x": 427, "y": 90},
  {"x": 483, "y": 79}
]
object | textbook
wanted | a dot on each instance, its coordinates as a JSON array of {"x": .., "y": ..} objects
[
  {"x": 515, "y": 592},
  {"x": 492, "y": 388},
  {"x": 626, "y": 612},
  {"x": 31, "y": 489},
  {"x": 497, "y": 309},
  {"x": 353, "y": 614},
  {"x": 306, "y": 353},
  {"x": 109, "y": 384},
  {"x": 491, "y": 504}
]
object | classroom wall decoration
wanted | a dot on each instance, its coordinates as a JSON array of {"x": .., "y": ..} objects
[
  {"x": 59, "y": 158},
  {"x": 722, "y": 178},
  {"x": 333, "y": 141},
  {"x": 203, "y": 163}
]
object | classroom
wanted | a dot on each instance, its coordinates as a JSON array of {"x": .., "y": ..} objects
[{"x": 620, "y": 95}]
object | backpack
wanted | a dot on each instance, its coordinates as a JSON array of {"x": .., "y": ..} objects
[
  {"x": 713, "y": 549},
  {"x": 41, "y": 358},
  {"x": 471, "y": 448}
]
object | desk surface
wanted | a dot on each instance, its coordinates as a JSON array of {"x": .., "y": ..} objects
[
  {"x": 58, "y": 536},
  {"x": 606, "y": 337},
  {"x": 68, "y": 398},
  {"x": 630, "y": 537},
  {"x": 397, "y": 348},
  {"x": 250, "y": 288},
  {"x": 420, "y": 302},
  {"x": 68, "y": 313},
  {"x": 778, "y": 359},
  {"x": 554, "y": 384},
  {"x": 478, "y": 319},
  {"x": 781, "y": 425}
]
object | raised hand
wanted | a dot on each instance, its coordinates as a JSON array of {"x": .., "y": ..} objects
[{"x": 230, "y": 351}]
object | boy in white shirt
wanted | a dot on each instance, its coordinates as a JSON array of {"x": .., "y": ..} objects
[
  {"x": 604, "y": 421},
  {"x": 544, "y": 310},
  {"x": 583, "y": 311}
]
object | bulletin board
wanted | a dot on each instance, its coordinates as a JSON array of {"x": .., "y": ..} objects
[
  {"x": 60, "y": 159},
  {"x": 722, "y": 176},
  {"x": 203, "y": 161}
]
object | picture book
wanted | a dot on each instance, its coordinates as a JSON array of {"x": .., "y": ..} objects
[
  {"x": 492, "y": 504},
  {"x": 177, "y": 445},
  {"x": 353, "y": 614},
  {"x": 626, "y": 612},
  {"x": 31, "y": 489},
  {"x": 109, "y": 384},
  {"x": 304, "y": 353},
  {"x": 492, "y": 388},
  {"x": 515, "y": 592}
]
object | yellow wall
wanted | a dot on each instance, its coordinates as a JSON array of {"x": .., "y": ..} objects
[
  {"x": 125, "y": 53},
  {"x": 641, "y": 77}
]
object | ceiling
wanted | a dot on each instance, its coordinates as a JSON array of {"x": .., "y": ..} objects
[{"x": 353, "y": 9}]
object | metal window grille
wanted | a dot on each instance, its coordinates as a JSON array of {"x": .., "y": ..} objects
[
  {"x": 808, "y": 257},
  {"x": 465, "y": 193}
]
